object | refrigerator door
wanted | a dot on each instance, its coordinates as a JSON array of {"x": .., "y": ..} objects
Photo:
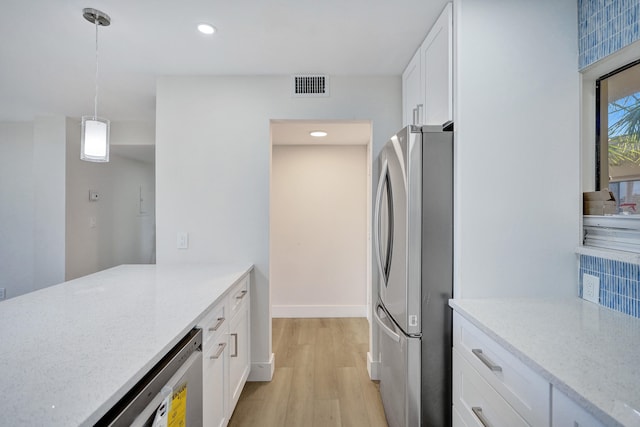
[
  {"x": 399, "y": 372},
  {"x": 398, "y": 210}
]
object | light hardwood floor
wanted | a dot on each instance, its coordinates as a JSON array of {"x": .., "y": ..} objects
[{"x": 320, "y": 378}]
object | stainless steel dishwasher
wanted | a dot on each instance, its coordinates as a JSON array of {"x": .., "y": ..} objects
[{"x": 169, "y": 395}]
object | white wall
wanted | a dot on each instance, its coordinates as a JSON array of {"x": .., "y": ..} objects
[
  {"x": 318, "y": 232},
  {"x": 212, "y": 167},
  {"x": 16, "y": 208},
  {"x": 120, "y": 233},
  {"x": 132, "y": 133},
  {"x": 32, "y": 204},
  {"x": 44, "y": 230},
  {"x": 517, "y": 148},
  {"x": 49, "y": 148}
]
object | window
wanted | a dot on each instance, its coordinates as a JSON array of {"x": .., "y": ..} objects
[
  {"x": 618, "y": 136},
  {"x": 617, "y": 160}
]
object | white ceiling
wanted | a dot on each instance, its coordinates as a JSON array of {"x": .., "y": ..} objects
[{"x": 47, "y": 58}]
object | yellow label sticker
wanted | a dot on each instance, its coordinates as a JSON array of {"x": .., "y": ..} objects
[{"x": 178, "y": 412}]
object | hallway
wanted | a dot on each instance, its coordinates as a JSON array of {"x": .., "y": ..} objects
[{"x": 320, "y": 378}]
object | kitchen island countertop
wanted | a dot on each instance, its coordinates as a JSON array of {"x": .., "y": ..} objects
[
  {"x": 587, "y": 351},
  {"x": 69, "y": 352}
]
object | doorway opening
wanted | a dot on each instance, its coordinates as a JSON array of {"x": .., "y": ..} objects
[{"x": 320, "y": 219}]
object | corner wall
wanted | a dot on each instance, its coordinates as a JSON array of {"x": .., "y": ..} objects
[
  {"x": 16, "y": 208},
  {"x": 212, "y": 168},
  {"x": 32, "y": 164},
  {"x": 517, "y": 93}
]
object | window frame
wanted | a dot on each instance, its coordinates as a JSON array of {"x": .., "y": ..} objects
[
  {"x": 588, "y": 113},
  {"x": 602, "y": 152}
]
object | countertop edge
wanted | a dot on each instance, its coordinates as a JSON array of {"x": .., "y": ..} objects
[
  {"x": 556, "y": 382},
  {"x": 104, "y": 408}
]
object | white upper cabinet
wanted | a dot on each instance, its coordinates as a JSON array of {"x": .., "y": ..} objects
[
  {"x": 412, "y": 93},
  {"x": 437, "y": 70},
  {"x": 427, "y": 82}
]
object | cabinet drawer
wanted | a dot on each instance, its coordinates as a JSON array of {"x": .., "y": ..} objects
[
  {"x": 476, "y": 402},
  {"x": 214, "y": 323},
  {"x": 238, "y": 295},
  {"x": 566, "y": 412},
  {"x": 525, "y": 390}
]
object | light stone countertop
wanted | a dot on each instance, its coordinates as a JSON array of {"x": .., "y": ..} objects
[
  {"x": 587, "y": 351},
  {"x": 69, "y": 352}
]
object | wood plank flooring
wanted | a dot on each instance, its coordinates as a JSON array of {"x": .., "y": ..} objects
[{"x": 320, "y": 378}]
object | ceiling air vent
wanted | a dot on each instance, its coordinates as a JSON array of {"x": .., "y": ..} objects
[{"x": 310, "y": 86}]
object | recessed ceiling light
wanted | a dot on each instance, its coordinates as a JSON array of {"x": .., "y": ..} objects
[
  {"x": 318, "y": 133},
  {"x": 206, "y": 29}
]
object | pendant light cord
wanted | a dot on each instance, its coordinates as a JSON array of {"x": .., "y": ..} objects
[{"x": 95, "y": 102}]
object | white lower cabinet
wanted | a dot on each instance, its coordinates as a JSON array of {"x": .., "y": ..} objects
[
  {"x": 214, "y": 383},
  {"x": 238, "y": 353},
  {"x": 477, "y": 402},
  {"x": 491, "y": 387},
  {"x": 458, "y": 421},
  {"x": 226, "y": 355},
  {"x": 567, "y": 413}
]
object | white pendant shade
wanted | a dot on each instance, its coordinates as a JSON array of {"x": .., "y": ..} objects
[
  {"x": 94, "y": 141},
  {"x": 94, "y": 146}
]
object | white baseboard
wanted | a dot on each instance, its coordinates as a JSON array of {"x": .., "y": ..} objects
[
  {"x": 372, "y": 367},
  {"x": 308, "y": 311},
  {"x": 262, "y": 371}
]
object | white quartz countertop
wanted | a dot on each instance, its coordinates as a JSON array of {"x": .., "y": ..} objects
[
  {"x": 69, "y": 352},
  {"x": 587, "y": 351}
]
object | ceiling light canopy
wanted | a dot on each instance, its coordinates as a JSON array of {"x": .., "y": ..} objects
[
  {"x": 318, "y": 133},
  {"x": 206, "y": 29}
]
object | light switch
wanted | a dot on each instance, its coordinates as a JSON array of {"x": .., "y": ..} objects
[
  {"x": 92, "y": 222},
  {"x": 183, "y": 240}
]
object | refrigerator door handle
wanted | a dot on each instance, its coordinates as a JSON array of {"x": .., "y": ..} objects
[
  {"x": 376, "y": 220},
  {"x": 384, "y": 326}
]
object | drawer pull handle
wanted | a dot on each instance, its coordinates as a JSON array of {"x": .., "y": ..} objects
[
  {"x": 484, "y": 359},
  {"x": 477, "y": 411},
  {"x": 235, "y": 347},
  {"x": 241, "y": 295},
  {"x": 221, "y": 348},
  {"x": 218, "y": 324}
]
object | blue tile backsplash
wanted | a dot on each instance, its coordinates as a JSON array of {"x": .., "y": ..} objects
[
  {"x": 619, "y": 283},
  {"x": 605, "y": 26}
]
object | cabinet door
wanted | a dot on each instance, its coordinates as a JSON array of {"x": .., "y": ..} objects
[
  {"x": 238, "y": 354},
  {"x": 566, "y": 413},
  {"x": 437, "y": 70},
  {"x": 412, "y": 90},
  {"x": 214, "y": 390}
]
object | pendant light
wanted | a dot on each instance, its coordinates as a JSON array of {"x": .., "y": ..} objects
[{"x": 94, "y": 143}]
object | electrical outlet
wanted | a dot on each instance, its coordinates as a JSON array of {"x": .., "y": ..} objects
[
  {"x": 3, "y": 293},
  {"x": 591, "y": 288}
]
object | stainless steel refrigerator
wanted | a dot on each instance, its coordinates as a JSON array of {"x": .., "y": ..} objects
[{"x": 413, "y": 246}]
